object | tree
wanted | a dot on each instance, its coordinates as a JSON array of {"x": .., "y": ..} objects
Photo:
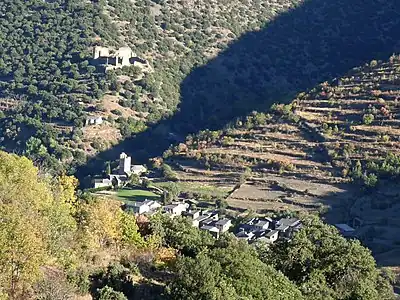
[
  {"x": 325, "y": 265},
  {"x": 108, "y": 293},
  {"x": 179, "y": 234},
  {"x": 221, "y": 203},
  {"x": 34, "y": 147},
  {"x": 146, "y": 183},
  {"x": 53, "y": 287},
  {"x": 66, "y": 191},
  {"x": 134, "y": 179},
  {"x": 171, "y": 192},
  {"x": 22, "y": 249},
  {"x": 370, "y": 180},
  {"x": 245, "y": 175},
  {"x": 101, "y": 222},
  {"x": 114, "y": 183},
  {"x": 200, "y": 279},
  {"x": 168, "y": 173},
  {"x": 231, "y": 270},
  {"x": 26, "y": 208},
  {"x": 130, "y": 231},
  {"x": 115, "y": 281},
  {"x": 108, "y": 168}
]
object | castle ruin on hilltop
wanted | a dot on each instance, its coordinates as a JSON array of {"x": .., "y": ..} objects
[{"x": 113, "y": 59}]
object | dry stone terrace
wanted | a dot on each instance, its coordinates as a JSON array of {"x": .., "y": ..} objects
[{"x": 298, "y": 160}]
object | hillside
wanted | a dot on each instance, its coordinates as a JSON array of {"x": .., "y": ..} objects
[
  {"x": 49, "y": 86},
  {"x": 334, "y": 150},
  {"x": 201, "y": 59},
  {"x": 57, "y": 243}
]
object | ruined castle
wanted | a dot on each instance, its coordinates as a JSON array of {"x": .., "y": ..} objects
[{"x": 115, "y": 59}]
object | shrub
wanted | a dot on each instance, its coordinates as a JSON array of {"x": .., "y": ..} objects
[
  {"x": 368, "y": 119},
  {"x": 108, "y": 293},
  {"x": 168, "y": 173},
  {"x": 370, "y": 180},
  {"x": 116, "y": 112}
]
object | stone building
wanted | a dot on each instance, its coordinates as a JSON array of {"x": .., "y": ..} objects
[{"x": 115, "y": 59}]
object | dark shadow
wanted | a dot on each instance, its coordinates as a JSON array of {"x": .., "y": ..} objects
[
  {"x": 314, "y": 42},
  {"x": 373, "y": 213},
  {"x": 148, "y": 290}
]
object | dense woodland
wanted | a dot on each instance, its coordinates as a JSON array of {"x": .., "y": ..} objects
[
  {"x": 203, "y": 62},
  {"x": 57, "y": 243},
  {"x": 48, "y": 83}
]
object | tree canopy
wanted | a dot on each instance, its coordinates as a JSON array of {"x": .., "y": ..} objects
[
  {"x": 229, "y": 271},
  {"x": 325, "y": 265}
]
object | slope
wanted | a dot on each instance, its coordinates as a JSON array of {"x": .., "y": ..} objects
[{"x": 334, "y": 150}]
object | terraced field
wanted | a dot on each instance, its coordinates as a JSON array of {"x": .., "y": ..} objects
[{"x": 304, "y": 156}]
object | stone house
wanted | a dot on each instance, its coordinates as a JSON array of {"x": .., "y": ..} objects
[
  {"x": 94, "y": 121},
  {"x": 268, "y": 230},
  {"x": 175, "y": 209},
  {"x": 113, "y": 179},
  {"x": 223, "y": 225},
  {"x": 214, "y": 231},
  {"x": 143, "y": 207},
  {"x": 243, "y": 235},
  {"x": 261, "y": 225},
  {"x": 272, "y": 235},
  {"x": 345, "y": 230},
  {"x": 126, "y": 167}
]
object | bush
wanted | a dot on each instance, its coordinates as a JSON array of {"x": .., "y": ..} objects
[
  {"x": 370, "y": 180},
  {"x": 168, "y": 173},
  {"x": 116, "y": 112},
  {"x": 108, "y": 293},
  {"x": 368, "y": 119},
  {"x": 80, "y": 279}
]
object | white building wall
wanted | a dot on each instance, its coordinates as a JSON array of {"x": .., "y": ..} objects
[{"x": 124, "y": 163}]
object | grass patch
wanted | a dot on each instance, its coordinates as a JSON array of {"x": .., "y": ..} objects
[
  {"x": 136, "y": 195},
  {"x": 200, "y": 190}
]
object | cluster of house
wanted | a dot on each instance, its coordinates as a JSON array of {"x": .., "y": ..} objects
[
  {"x": 256, "y": 229},
  {"x": 268, "y": 230},
  {"x": 125, "y": 170},
  {"x": 202, "y": 219},
  {"x": 208, "y": 221},
  {"x": 112, "y": 59}
]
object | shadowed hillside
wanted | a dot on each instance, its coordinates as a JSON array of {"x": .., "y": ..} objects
[
  {"x": 334, "y": 150},
  {"x": 315, "y": 42}
]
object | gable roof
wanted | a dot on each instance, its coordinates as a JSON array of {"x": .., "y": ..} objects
[
  {"x": 271, "y": 233},
  {"x": 289, "y": 221},
  {"x": 223, "y": 222},
  {"x": 210, "y": 228},
  {"x": 244, "y": 235},
  {"x": 261, "y": 223},
  {"x": 344, "y": 227}
]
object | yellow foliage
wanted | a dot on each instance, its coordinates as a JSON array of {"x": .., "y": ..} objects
[
  {"x": 22, "y": 248},
  {"x": 66, "y": 191},
  {"x": 20, "y": 184},
  {"x": 35, "y": 225},
  {"x": 165, "y": 256},
  {"x": 153, "y": 241},
  {"x": 39, "y": 222},
  {"x": 105, "y": 223},
  {"x": 102, "y": 222},
  {"x": 129, "y": 229}
]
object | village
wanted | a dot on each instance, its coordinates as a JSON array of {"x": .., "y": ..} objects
[{"x": 213, "y": 220}]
